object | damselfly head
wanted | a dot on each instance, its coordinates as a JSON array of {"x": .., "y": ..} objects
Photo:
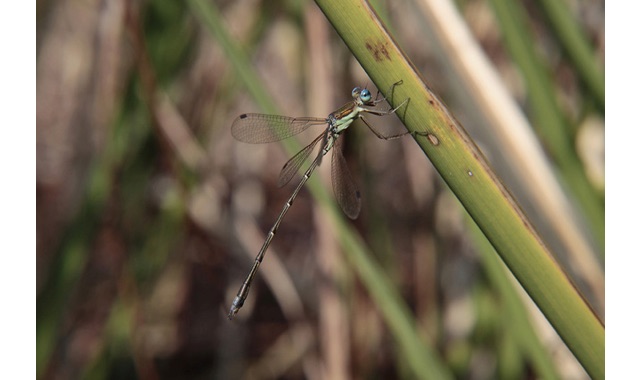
[
  {"x": 365, "y": 96},
  {"x": 361, "y": 95}
]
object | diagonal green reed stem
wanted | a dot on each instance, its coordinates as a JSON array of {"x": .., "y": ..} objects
[{"x": 467, "y": 173}]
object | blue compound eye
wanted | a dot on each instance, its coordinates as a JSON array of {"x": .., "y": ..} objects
[
  {"x": 365, "y": 95},
  {"x": 355, "y": 92}
]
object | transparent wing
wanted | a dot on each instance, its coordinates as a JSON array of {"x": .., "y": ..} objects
[
  {"x": 256, "y": 128},
  {"x": 293, "y": 165},
  {"x": 344, "y": 187}
]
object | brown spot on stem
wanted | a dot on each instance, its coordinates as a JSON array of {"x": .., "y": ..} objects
[
  {"x": 378, "y": 50},
  {"x": 433, "y": 139}
]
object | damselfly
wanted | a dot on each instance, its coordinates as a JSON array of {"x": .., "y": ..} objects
[{"x": 259, "y": 128}]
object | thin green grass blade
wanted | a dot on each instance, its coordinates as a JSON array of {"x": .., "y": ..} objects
[
  {"x": 519, "y": 326},
  {"x": 549, "y": 122},
  {"x": 578, "y": 49}
]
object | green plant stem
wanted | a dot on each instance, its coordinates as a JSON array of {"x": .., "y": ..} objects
[{"x": 465, "y": 170}]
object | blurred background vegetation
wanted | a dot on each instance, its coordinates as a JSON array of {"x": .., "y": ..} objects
[{"x": 149, "y": 213}]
